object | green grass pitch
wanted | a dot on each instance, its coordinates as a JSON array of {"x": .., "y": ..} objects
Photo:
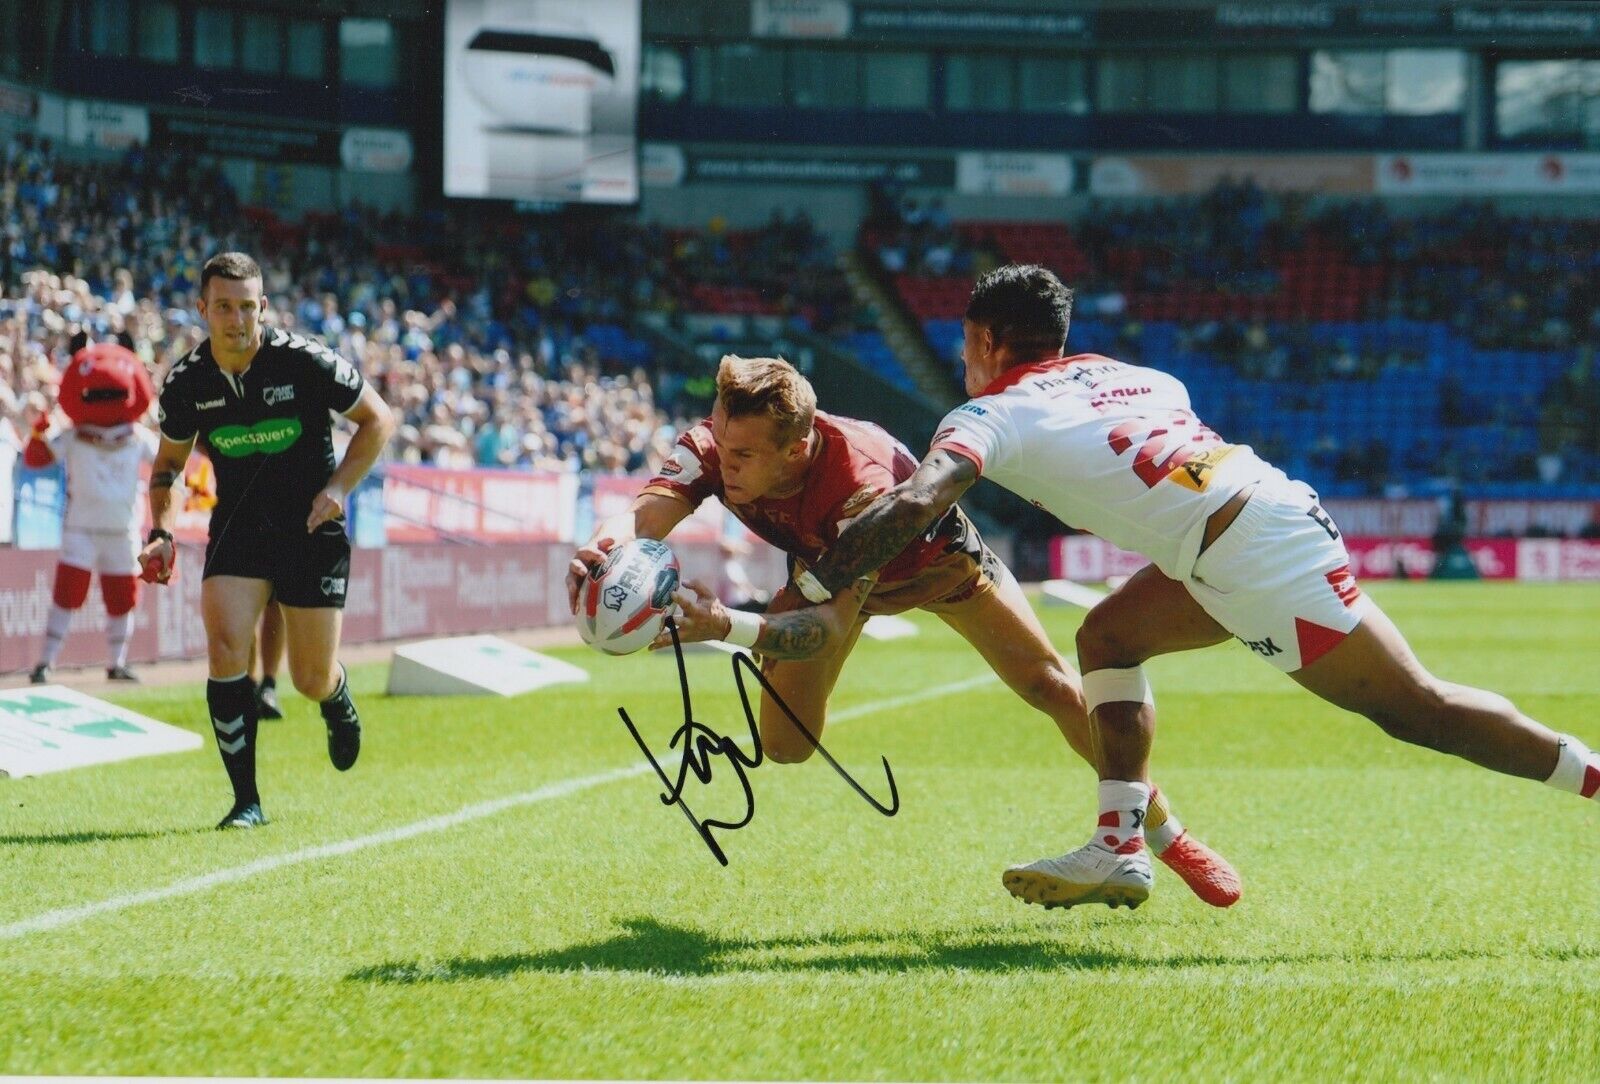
[{"x": 480, "y": 898}]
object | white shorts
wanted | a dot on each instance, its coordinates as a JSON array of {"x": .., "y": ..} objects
[
  {"x": 1279, "y": 578},
  {"x": 110, "y": 553}
]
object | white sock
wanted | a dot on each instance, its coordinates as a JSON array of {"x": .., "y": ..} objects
[
  {"x": 1163, "y": 835},
  {"x": 1577, "y": 768},
  {"x": 117, "y": 630},
  {"x": 55, "y": 631},
  {"x": 1122, "y": 809}
]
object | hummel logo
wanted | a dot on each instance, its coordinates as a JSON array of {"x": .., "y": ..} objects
[
  {"x": 210, "y": 404},
  {"x": 234, "y": 727},
  {"x": 614, "y": 598}
]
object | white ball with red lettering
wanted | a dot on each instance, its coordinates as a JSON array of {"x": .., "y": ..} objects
[{"x": 626, "y": 600}]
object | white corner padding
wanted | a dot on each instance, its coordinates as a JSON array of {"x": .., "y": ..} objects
[{"x": 1116, "y": 687}]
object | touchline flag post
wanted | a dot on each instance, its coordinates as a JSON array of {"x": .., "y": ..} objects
[{"x": 51, "y": 728}]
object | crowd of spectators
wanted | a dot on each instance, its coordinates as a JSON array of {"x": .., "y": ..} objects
[
  {"x": 484, "y": 339},
  {"x": 508, "y": 346},
  {"x": 1224, "y": 239},
  {"x": 918, "y": 237},
  {"x": 1258, "y": 351},
  {"x": 1502, "y": 280},
  {"x": 1505, "y": 281}
]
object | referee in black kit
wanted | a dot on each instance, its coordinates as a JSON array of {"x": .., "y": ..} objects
[{"x": 262, "y": 401}]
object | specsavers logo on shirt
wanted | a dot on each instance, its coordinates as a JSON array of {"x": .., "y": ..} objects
[{"x": 263, "y": 438}]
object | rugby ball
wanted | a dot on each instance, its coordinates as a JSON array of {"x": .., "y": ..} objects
[{"x": 626, "y": 600}]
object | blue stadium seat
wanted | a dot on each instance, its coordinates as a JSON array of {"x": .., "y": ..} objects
[{"x": 872, "y": 351}]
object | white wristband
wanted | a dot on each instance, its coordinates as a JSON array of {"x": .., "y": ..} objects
[
  {"x": 744, "y": 628},
  {"x": 812, "y": 588}
]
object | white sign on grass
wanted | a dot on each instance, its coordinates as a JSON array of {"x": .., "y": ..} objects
[
  {"x": 1071, "y": 594},
  {"x": 474, "y": 666},
  {"x": 51, "y": 728},
  {"x": 888, "y": 627}
]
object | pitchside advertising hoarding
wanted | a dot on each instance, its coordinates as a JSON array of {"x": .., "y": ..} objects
[
  {"x": 1089, "y": 560},
  {"x": 466, "y": 551},
  {"x": 436, "y": 589},
  {"x": 541, "y": 99}
]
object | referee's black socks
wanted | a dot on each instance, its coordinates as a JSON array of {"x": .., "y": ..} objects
[
  {"x": 339, "y": 707},
  {"x": 344, "y": 727},
  {"x": 233, "y": 717}
]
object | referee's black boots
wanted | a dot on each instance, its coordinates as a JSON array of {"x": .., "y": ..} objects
[
  {"x": 244, "y": 816},
  {"x": 344, "y": 726}
]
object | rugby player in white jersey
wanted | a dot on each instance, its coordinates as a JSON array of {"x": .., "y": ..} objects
[{"x": 1238, "y": 550}]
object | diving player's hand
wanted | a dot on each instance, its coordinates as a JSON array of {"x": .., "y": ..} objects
[
  {"x": 328, "y": 505},
  {"x": 587, "y": 558},
  {"x": 700, "y": 616},
  {"x": 158, "y": 561}
]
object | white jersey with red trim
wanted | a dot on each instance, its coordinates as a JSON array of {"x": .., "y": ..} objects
[
  {"x": 1108, "y": 448},
  {"x": 103, "y": 467}
]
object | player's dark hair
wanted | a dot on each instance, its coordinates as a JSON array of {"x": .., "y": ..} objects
[
  {"x": 1025, "y": 307},
  {"x": 228, "y": 265}
]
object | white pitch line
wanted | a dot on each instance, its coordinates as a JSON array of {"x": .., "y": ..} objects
[
  {"x": 67, "y": 916},
  {"x": 911, "y": 698}
]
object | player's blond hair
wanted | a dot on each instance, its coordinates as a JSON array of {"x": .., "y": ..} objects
[{"x": 769, "y": 387}]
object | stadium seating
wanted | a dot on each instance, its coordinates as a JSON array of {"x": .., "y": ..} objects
[
  {"x": 1386, "y": 400},
  {"x": 1368, "y": 350},
  {"x": 873, "y": 352}
]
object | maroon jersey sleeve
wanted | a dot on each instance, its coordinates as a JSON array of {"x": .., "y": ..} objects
[{"x": 692, "y": 472}]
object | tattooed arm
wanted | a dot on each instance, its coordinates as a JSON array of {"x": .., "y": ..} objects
[
  {"x": 812, "y": 632},
  {"x": 809, "y": 632},
  {"x": 890, "y": 524}
]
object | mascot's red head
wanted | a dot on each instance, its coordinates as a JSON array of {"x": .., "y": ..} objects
[{"x": 106, "y": 384}]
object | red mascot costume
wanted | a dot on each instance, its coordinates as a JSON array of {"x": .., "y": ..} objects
[{"x": 105, "y": 391}]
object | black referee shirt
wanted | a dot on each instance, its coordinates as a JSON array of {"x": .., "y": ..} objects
[{"x": 268, "y": 432}]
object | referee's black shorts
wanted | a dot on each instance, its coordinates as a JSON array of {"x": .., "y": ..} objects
[{"x": 311, "y": 570}]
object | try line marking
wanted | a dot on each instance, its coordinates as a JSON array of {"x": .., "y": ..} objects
[{"x": 67, "y": 916}]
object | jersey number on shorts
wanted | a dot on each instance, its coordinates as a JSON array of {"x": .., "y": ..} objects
[{"x": 1189, "y": 464}]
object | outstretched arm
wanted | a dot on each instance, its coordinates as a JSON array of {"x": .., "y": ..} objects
[
  {"x": 890, "y": 523},
  {"x": 809, "y": 632},
  {"x": 653, "y": 515}
]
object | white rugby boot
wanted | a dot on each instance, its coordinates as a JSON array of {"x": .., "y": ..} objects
[{"x": 1094, "y": 873}]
